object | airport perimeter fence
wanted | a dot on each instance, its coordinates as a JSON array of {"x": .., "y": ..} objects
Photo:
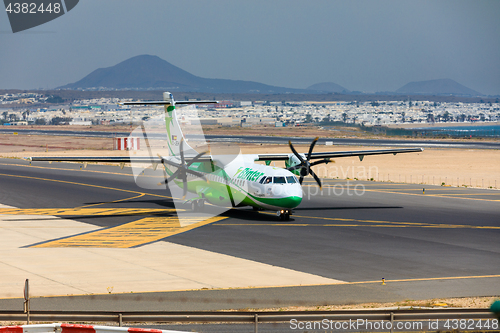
[
  {"x": 390, "y": 317},
  {"x": 441, "y": 133},
  {"x": 423, "y": 179},
  {"x": 438, "y": 180}
]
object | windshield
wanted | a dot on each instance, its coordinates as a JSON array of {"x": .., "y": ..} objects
[
  {"x": 279, "y": 180},
  {"x": 291, "y": 180}
]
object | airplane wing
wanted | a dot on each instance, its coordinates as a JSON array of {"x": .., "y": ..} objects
[
  {"x": 109, "y": 159},
  {"x": 335, "y": 154},
  {"x": 90, "y": 159},
  {"x": 154, "y": 161},
  {"x": 259, "y": 157}
]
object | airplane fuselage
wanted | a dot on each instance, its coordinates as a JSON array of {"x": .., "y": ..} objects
[{"x": 245, "y": 183}]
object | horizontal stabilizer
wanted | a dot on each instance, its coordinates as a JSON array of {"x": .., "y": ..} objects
[
  {"x": 108, "y": 159},
  {"x": 168, "y": 102}
]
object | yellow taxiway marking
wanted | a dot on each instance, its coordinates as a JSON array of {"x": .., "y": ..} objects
[
  {"x": 83, "y": 184},
  {"x": 114, "y": 201},
  {"x": 342, "y": 283},
  {"x": 448, "y": 196},
  {"x": 395, "y": 191},
  {"x": 436, "y": 226},
  {"x": 479, "y": 194},
  {"x": 362, "y": 223},
  {"x": 161, "y": 226},
  {"x": 84, "y": 211},
  {"x": 79, "y": 170},
  {"x": 132, "y": 234},
  {"x": 430, "y": 279}
]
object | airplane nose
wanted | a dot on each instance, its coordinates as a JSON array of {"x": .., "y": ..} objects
[
  {"x": 294, "y": 201},
  {"x": 287, "y": 197},
  {"x": 288, "y": 202}
]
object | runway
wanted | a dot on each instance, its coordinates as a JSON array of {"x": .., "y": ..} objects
[
  {"x": 337, "y": 247},
  {"x": 248, "y": 139}
]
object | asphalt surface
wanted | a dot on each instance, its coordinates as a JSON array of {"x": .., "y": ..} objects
[
  {"x": 443, "y": 243},
  {"x": 473, "y": 144}
]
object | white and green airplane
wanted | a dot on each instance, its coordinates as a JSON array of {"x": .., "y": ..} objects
[{"x": 235, "y": 182}]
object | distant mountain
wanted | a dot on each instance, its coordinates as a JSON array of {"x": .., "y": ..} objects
[
  {"x": 147, "y": 72},
  {"x": 328, "y": 87},
  {"x": 437, "y": 87}
]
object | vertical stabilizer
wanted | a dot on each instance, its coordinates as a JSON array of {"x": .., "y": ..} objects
[{"x": 174, "y": 131}]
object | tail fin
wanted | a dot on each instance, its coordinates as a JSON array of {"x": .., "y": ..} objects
[{"x": 174, "y": 131}]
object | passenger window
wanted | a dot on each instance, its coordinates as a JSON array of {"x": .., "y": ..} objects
[
  {"x": 290, "y": 180},
  {"x": 279, "y": 180}
]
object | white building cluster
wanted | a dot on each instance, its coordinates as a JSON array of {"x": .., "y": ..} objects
[
  {"x": 108, "y": 111},
  {"x": 365, "y": 113}
]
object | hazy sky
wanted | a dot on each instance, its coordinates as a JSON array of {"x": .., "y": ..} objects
[{"x": 362, "y": 45}]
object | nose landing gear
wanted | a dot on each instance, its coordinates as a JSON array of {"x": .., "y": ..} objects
[
  {"x": 197, "y": 205},
  {"x": 284, "y": 214}
]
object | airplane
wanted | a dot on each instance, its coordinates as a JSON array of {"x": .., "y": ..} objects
[{"x": 235, "y": 183}]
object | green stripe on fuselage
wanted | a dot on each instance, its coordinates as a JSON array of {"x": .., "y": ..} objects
[{"x": 235, "y": 195}]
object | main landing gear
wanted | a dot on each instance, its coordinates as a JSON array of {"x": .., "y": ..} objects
[
  {"x": 197, "y": 205},
  {"x": 284, "y": 214}
]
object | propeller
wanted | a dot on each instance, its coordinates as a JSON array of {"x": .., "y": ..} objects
[
  {"x": 182, "y": 169},
  {"x": 305, "y": 165}
]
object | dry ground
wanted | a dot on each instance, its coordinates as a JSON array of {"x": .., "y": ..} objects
[{"x": 462, "y": 302}]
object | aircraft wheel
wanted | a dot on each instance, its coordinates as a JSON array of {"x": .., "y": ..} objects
[
  {"x": 201, "y": 204},
  {"x": 284, "y": 215},
  {"x": 194, "y": 205}
]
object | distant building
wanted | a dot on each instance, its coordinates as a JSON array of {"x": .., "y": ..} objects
[
  {"x": 224, "y": 104},
  {"x": 80, "y": 121}
]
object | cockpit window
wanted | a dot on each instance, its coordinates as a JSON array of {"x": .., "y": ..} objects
[
  {"x": 268, "y": 180},
  {"x": 291, "y": 180},
  {"x": 279, "y": 180},
  {"x": 262, "y": 180}
]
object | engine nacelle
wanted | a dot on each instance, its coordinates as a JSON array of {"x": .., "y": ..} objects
[
  {"x": 216, "y": 197},
  {"x": 293, "y": 161}
]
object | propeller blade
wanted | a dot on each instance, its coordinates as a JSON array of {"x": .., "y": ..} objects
[
  {"x": 197, "y": 174},
  {"x": 164, "y": 182},
  {"x": 304, "y": 171},
  {"x": 196, "y": 158},
  {"x": 184, "y": 188},
  {"x": 164, "y": 161},
  {"x": 173, "y": 176},
  {"x": 317, "y": 179},
  {"x": 305, "y": 166},
  {"x": 295, "y": 152},
  {"x": 311, "y": 147},
  {"x": 319, "y": 162},
  {"x": 295, "y": 167},
  {"x": 182, "y": 151}
]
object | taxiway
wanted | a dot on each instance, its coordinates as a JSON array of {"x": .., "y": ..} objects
[{"x": 336, "y": 249}]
